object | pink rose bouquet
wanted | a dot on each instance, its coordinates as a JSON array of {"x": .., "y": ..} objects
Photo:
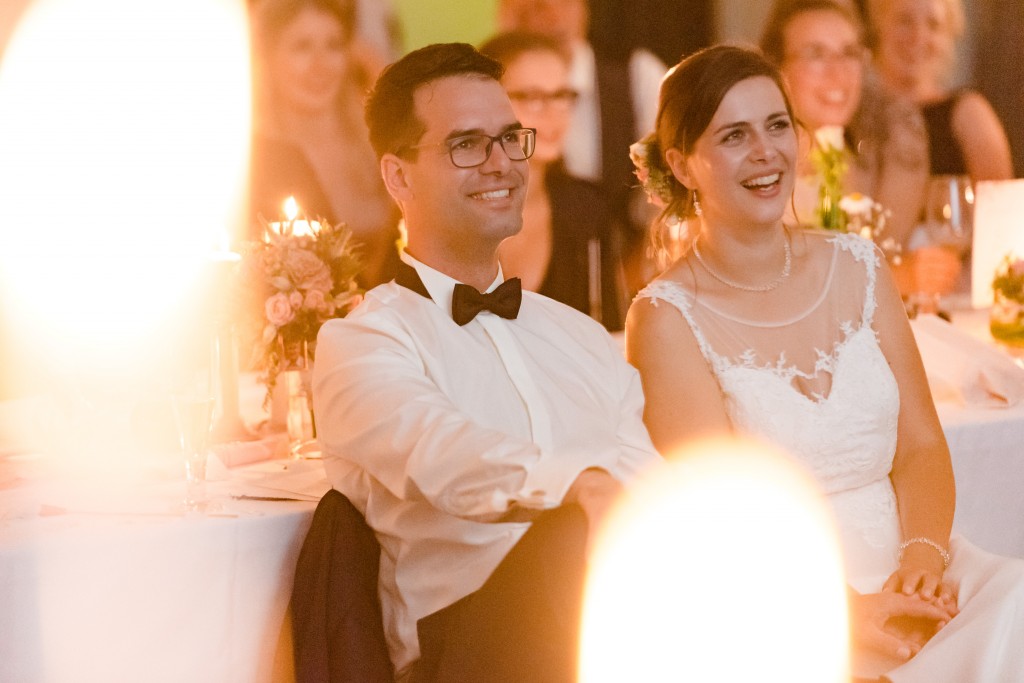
[{"x": 289, "y": 286}]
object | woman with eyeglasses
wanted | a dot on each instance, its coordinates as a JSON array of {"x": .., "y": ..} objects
[
  {"x": 819, "y": 47},
  {"x": 565, "y": 249}
]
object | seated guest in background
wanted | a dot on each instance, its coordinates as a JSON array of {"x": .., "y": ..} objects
[
  {"x": 617, "y": 97},
  {"x": 914, "y": 43},
  {"x": 308, "y": 90},
  {"x": 818, "y": 46},
  {"x": 479, "y": 434},
  {"x": 799, "y": 337},
  {"x": 566, "y": 249}
]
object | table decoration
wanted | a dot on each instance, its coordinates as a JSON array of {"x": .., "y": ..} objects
[
  {"x": 851, "y": 212},
  {"x": 829, "y": 157},
  {"x": 299, "y": 276},
  {"x": 1006, "y": 321}
]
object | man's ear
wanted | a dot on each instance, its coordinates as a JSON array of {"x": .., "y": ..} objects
[
  {"x": 396, "y": 178},
  {"x": 677, "y": 164}
]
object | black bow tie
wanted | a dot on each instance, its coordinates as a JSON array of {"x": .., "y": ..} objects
[{"x": 503, "y": 301}]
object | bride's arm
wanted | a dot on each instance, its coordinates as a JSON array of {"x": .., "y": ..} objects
[
  {"x": 682, "y": 396},
  {"x": 922, "y": 473}
]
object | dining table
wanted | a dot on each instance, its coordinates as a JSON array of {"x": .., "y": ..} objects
[
  {"x": 985, "y": 438},
  {"x": 105, "y": 577},
  {"x": 109, "y": 576}
]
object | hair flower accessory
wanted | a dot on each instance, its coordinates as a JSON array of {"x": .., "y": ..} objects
[{"x": 655, "y": 179}]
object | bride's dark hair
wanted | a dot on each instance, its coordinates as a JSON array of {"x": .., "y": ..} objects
[{"x": 690, "y": 95}]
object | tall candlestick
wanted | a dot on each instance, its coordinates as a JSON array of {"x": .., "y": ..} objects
[{"x": 224, "y": 353}]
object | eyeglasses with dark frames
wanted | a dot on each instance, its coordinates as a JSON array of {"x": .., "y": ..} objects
[{"x": 469, "y": 151}]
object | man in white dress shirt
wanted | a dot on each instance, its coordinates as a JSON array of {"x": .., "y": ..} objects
[{"x": 471, "y": 439}]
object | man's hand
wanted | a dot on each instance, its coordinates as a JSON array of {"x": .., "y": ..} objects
[
  {"x": 595, "y": 491},
  {"x": 895, "y": 624}
]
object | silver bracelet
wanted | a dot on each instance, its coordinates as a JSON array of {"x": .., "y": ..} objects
[{"x": 927, "y": 541}]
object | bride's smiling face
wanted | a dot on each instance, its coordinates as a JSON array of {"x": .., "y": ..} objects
[{"x": 742, "y": 165}]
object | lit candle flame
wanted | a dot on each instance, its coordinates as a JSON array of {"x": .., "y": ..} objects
[
  {"x": 291, "y": 208},
  {"x": 298, "y": 228}
]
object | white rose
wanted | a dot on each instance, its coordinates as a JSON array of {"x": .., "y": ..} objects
[
  {"x": 857, "y": 204},
  {"x": 830, "y": 136}
]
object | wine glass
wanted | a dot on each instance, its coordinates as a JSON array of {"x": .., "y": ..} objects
[
  {"x": 943, "y": 244},
  {"x": 949, "y": 212}
]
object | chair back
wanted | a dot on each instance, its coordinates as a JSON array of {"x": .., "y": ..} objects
[{"x": 337, "y": 627}]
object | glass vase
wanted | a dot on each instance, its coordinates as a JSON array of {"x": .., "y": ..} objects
[
  {"x": 1006, "y": 321},
  {"x": 829, "y": 214},
  {"x": 292, "y": 403}
]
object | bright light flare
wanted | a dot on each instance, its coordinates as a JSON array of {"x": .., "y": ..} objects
[
  {"x": 723, "y": 565},
  {"x": 124, "y": 134}
]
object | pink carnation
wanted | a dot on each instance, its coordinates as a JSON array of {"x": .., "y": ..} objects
[
  {"x": 279, "y": 310},
  {"x": 307, "y": 271},
  {"x": 316, "y": 301}
]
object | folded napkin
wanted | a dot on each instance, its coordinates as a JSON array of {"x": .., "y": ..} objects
[
  {"x": 237, "y": 453},
  {"x": 966, "y": 370},
  {"x": 299, "y": 479}
]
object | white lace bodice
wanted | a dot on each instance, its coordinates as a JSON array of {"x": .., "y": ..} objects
[{"x": 834, "y": 406}]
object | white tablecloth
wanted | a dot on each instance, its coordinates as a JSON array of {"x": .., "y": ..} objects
[
  {"x": 987, "y": 448},
  {"x": 986, "y": 445},
  {"x": 88, "y": 593}
]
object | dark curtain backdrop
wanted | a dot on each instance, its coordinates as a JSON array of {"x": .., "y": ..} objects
[
  {"x": 998, "y": 73},
  {"x": 670, "y": 29}
]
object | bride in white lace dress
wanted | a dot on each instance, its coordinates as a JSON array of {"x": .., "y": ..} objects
[{"x": 801, "y": 338}]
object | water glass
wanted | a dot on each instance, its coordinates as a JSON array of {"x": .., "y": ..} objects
[{"x": 193, "y": 417}]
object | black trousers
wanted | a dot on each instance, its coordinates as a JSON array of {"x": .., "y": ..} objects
[{"x": 522, "y": 625}]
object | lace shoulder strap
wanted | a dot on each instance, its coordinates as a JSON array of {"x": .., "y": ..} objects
[
  {"x": 677, "y": 296},
  {"x": 865, "y": 252}
]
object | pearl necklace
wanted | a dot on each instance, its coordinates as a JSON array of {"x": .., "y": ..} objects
[{"x": 748, "y": 288}]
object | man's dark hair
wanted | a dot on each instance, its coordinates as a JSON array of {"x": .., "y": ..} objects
[{"x": 390, "y": 108}]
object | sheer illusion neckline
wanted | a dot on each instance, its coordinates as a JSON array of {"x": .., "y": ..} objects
[
  {"x": 812, "y": 364},
  {"x": 795, "y": 318}
]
